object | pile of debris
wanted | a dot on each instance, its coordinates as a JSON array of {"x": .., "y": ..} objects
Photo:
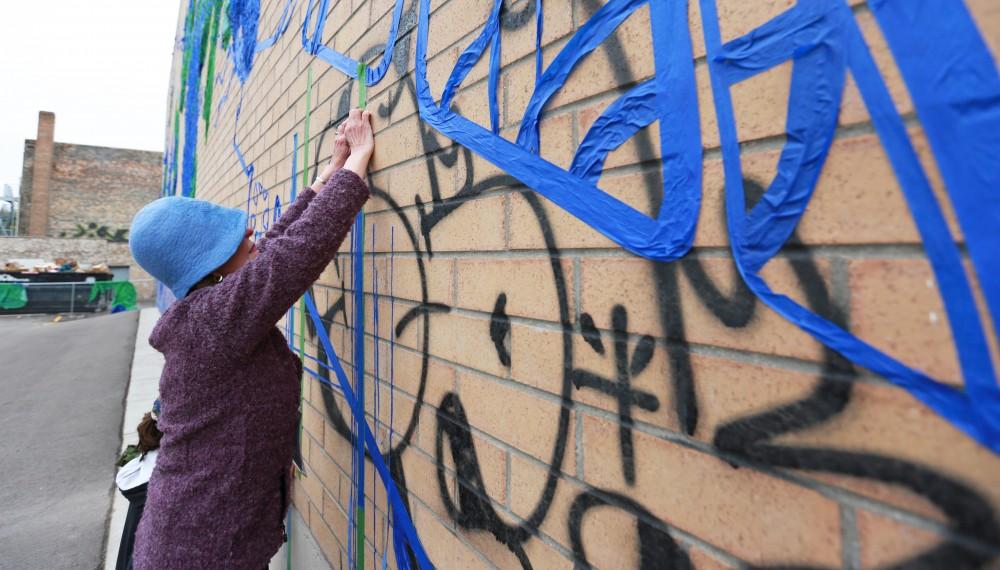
[{"x": 59, "y": 265}]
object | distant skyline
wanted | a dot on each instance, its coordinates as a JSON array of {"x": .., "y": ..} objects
[{"x": 102, "y": 66}]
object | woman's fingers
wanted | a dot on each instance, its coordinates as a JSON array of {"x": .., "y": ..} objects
[{"x": 354, "y": 115}]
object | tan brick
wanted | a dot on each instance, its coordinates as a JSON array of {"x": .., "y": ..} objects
[
  {"x": 353, "y": 29},
  {"x": 886, "y": 541},
  {"x": 449, "y": 551},
  {"x": 987, "y": 17},
  {"x": 477, "y": 225},
  {"x": 299, "y": 497},
  {"x": 324, "y": 467},
  {"x": 537, "y": 357},
  {"x": 422, "y": 484},
  {"x": 701, "y": 560},
  {"x": 472, "y": 102},
  {"x": 515, "y": 417},
  {"x": 465, "y": 340},
  {"x": 565, "y": 231},
  {"x": 737, "y": 19},
  {"x": 313, "y": 487},
  {"x": 635, "y": 287},
  {"x": 328, "y": 543},
  {"x": 530, "y": 286},
  {"x": 776, "y": 520},
  {"x": 595, "y": 73},
  {"x": 520, "y": 42},
  {"x": 528, "y": 491},
  {"x": 896, "y": 307},
  {"x": 312, "y": 421},
  {"x": 407, "y": 145},
  {"x": 889, "y": 422},
  {"x": 451, "y": 21}
]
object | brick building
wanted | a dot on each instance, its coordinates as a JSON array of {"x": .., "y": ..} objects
[
  {"x": 547, "y": 397},
  {"x": 74, "y": 191}
]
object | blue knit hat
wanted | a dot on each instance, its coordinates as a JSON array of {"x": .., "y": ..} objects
[{"x": 181, "y": 240}]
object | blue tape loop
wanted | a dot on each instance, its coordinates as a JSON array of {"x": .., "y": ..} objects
[
  {"x": 823, "y": 40},
  {"x": 313, "y": 42},
  {"x": 671, "y": 98},
  {"x": 286, "y": 19},
  {"x": 404, "y": 534}
]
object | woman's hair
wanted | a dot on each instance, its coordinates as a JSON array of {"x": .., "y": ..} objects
[{"x": 149, "y": 434}]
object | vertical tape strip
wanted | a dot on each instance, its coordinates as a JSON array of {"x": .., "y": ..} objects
[
  {"x": 359, "y": 351},
  {"x": 362, "y": 85},
  {"x": 404, "y": 533}
]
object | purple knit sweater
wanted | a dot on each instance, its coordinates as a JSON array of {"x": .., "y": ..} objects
[{"x": 230, "y": 395}]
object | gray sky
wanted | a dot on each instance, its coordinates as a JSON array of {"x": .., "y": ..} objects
[{"x": 102, "y": 66}]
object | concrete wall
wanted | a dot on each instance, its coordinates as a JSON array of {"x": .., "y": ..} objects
[{"x": 554, "y": 399}]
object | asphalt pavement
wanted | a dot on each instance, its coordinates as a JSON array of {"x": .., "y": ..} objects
[{"x": 62, "y": 391}]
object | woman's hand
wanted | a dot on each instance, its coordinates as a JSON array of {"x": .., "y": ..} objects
[
  {"x": 341, "y": 150},
  {"x": 361, "y": 140}
]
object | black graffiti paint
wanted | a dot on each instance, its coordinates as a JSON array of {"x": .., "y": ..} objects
[
  {"x": 657, "y": 549},
  {"x": 626, "y": 368},
  {"x": 473, "y": 511},
  {"x": 749, "y": 438},
  {"x": 500, "y": 329},
  {"x": 590, "y": 333}
]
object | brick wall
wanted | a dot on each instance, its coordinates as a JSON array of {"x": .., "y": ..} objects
[
  {"x": 84, "y": 191},
  {"x": 548, "y": 398},
  {"x": 100, "y": 186}
]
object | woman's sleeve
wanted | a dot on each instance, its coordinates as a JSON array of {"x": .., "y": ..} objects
[
  {"x": 289, "y": 216},
  {"x": 248, "y": 303}
]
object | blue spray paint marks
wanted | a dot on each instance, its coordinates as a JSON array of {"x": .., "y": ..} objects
[
  {"x": 192, "y": 101},
  {"x": 243, "y": 16}
]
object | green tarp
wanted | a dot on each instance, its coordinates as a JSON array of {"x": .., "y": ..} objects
[
  {"x": 12, "y": 296},
  {"x": 122, "y": 293}
]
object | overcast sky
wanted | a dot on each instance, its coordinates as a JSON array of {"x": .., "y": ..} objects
[{"x": 102, "y": 66}]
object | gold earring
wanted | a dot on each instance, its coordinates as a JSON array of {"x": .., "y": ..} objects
[{"x": 217, "y": 278}]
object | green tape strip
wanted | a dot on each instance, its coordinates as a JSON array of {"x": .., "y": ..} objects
[
  {"x": 362, "y": 85},
  {"x": 359, "y": 546}
]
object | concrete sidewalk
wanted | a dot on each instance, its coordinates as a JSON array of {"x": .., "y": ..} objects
[
  {"x": 143, "y": 388},
  {"x": 147, "y": 364}
]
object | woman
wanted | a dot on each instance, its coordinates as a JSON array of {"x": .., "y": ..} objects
[
  {"x": 230, "y": 385},
  {"x": 133, "y": 482}
]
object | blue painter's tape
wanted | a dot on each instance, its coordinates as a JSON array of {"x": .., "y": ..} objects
[
  {"x": 286, "y": 19},
  {"x": 670, "y": 234},
  {"x": 955, "y": 86},
  {"x": 405, "y": 537},
  {"x": 823, "y": 40},
  {"x": 313, "y": 42}
]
